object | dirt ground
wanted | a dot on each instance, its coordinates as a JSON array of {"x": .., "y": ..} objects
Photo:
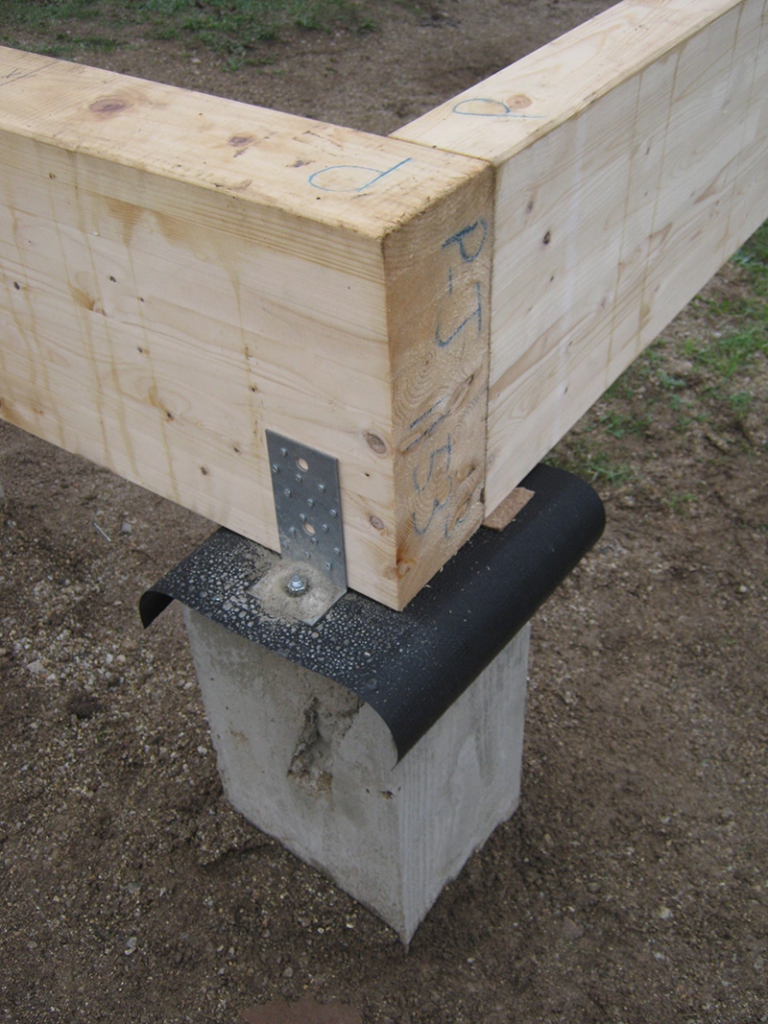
[{"x": 631, "y": 885}]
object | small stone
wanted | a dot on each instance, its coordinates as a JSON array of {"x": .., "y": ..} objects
[
  {"x": 130, "y": 946},
  {"x": 571, "y": 931},
  {"x": 665, "y": 913},
  {"x": 35, "y": 667},
  {"x": 126, "y": 527},
  {"x": 202, "y": 750},
  {"x": 759, "y": 964},
  {"x": 288, "y": 972},
  {"x": 593, "y": 887},
  {"x": 83, "y": 706},
  {"x": 305, "y": 922}
]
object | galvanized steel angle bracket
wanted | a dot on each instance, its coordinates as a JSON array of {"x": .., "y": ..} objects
[{"x": 305, "y": 484}]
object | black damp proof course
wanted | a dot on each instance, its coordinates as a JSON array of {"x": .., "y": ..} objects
[{"x": 410, "y": 666}]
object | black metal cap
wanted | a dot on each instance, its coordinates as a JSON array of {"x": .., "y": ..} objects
[{"x": 410, "y": 666}]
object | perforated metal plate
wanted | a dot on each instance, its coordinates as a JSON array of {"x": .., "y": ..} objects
[{"x": 308, "y": 505}]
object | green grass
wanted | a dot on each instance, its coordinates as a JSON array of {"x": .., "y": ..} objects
[
  {"x": 619, "y": 425},
  {"x": 753, "y": 257},
  {"x": 731, "y": 354},
  {"x": 590, "y": 461},
  {"x": 226, "y": 26}
]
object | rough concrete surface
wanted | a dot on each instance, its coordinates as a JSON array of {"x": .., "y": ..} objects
[{"x": 304, "y": 760}]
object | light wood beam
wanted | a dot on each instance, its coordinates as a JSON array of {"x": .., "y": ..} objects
[
  {"x": 179, "y": 273},
  {"x": 631, "y": 161}
]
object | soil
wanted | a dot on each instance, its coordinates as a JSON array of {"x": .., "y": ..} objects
[{"x": 632, "y": 883}]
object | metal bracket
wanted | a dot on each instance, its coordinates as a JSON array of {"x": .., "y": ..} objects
[{"x": 313, "y": 573}]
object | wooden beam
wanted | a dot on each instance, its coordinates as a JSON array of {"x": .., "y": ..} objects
[
  {"x": 631, "y": 161},
  {"x": 179, "y": 273}
]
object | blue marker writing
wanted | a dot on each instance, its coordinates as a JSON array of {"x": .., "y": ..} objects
[
  {"x": 469, "y": 240},
  {"x": 333, "y": 179},
  {"x": 477, "y": 313},
  {"x": 479, "y": 106}
]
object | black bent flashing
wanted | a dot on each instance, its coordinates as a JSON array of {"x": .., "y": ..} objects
[{"x": 410, "y": 666}]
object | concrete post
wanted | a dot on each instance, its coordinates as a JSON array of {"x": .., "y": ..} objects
[{"x": 307, "y": 762}]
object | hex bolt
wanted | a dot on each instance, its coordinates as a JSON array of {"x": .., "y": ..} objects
[{"x": 297, "y": 585}]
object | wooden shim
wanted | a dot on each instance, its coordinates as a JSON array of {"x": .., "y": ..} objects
[
  {"x": 632, "y": 161},
  {"x": 509, "y": 509},
  {"x": 179, "y": 273}
]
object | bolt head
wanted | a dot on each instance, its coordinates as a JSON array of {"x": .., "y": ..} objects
[{"x": 297, "y": 585}]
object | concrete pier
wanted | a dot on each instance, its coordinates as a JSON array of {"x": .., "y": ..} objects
[{"x": 306, "y": 761}]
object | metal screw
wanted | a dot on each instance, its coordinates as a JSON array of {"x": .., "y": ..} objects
[
  {"x": 325, "y": 527},
  {"x": 287, "y": 492},
  {"x": 302, "y": 517},
  {"x": 321, "y": 488},
  {"x": 284, "y": 452},
  {"x": 337, "y": 551},
  {"x": 275, "y": 467},
  {"x": 328, "y": 565},
  {"x": 292, "y": 529},
  {"x": 334, "y": 512},
  {"x": 297, "y": 585},
  {"x": 311, "y": 502}
]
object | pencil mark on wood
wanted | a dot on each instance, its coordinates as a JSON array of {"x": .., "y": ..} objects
[{"x": 16, "y": 75}]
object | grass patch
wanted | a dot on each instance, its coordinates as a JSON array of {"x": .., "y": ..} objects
[
  {"x": 226, "y": 26},
  {"x": 731, "y": 354},
  {"x": 753, "y": 257},
  {"x": 679, "y": 504},
  {"x": 618, "y": 425},
  {"x": 590, "y": 462}
]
